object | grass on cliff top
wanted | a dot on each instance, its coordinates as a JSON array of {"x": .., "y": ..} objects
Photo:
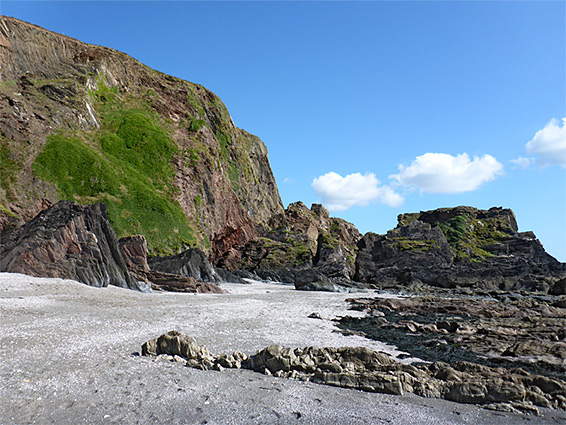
[{"x": 126, "y": 165}]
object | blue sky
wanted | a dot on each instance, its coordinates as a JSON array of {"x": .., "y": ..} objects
[{"x": 372, "y": 108}]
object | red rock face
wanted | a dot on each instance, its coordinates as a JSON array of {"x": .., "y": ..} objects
[
  {"x": 134, "y": 249},
  {"x": 223, "y": 181}
]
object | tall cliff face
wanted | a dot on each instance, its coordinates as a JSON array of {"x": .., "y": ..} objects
[{"x": 88, "y": 123}]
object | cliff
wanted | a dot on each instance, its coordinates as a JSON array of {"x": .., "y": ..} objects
[
  {"x": 87, "y": 123},
  {"x": 459, "y": 247}
]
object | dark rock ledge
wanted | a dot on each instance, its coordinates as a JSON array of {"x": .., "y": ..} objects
[{"x": 367, "y": 370}]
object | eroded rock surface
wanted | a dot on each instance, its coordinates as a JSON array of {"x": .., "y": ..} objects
[
  {"x": 367, "y": 370},
  {"x": 190, "y": 263},
  {"x": 459, "y": 247},
  {"x": 306, "y": 247},
  {"x": 134, "y": 250},
  {"x": 497, "y": 329},
  {"x": 68, "y": 241}
]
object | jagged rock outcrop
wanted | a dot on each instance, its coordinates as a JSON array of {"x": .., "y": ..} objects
[
  {"x": 394, "y": 258},
  {"x": 308, "y": 247},
  {"x": 458, "y": 247},
  {"x": 134, "y": 249},
  {"x": 162, "y": 153},
  {"x": 190, "y": 263},
  {"x": 68, "y": 241},
  {"x": 367, "y": 370}
]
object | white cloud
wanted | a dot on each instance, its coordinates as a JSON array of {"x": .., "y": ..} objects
[
  {"x": 340, "y": 193},
  {"x": 549, "y": 144},
  {"x": 443, "y": 173},
  {"x": 523, "y": 162}
]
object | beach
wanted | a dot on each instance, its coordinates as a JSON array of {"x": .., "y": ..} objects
[{"x": 69, "y": 353}]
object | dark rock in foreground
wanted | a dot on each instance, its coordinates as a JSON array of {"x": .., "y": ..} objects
[
  {"x": 367, "y": 370},
  {"x": 190, "y": 263},
  {"x": 68, "y": 241}
]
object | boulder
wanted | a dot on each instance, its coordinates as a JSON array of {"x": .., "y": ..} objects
[
  {"x": 312, "y": 280},
  {"x": 190, "y": 263}
]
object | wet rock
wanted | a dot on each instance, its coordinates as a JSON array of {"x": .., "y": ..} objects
[
  {"x": 497, "y": 331},
  {"x": 68, "y": 241}
]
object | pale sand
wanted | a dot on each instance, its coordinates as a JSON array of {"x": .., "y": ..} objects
[{"x": 66, "y": 356}]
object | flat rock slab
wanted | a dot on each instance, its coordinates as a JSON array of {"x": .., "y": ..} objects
[{"x": 66, "y": 357}]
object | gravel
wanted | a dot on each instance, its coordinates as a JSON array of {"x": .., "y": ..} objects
[{"x": 68, "y": 354}]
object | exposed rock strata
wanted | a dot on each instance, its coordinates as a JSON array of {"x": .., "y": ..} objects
[
  {"x": 53, "y": 84},
  {"x": 366, "y": 370},
  {"x": 496, "y": 329},
  {"x": 458, "y": 247},
  {"x": 190, "y": 263},
  {"x": 306, "y": 247},
  {"x": 134, "y": 250},
  {"x": 68, "y": 241}
]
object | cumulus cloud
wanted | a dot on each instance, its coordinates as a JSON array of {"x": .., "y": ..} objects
[
  {"x": 549, "y": 144},
  {"x": 340, "y": 193},
  {"x": 444, "y": 173}
]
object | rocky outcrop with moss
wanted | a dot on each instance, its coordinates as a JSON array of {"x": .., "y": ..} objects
[
  {"x": 459, "y": 247},
  {"x": 305, "y": 245},
  {"x": 90, "y": 124}
]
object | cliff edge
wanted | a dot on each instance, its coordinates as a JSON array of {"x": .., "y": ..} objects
[{"x": 88, "y": 124}]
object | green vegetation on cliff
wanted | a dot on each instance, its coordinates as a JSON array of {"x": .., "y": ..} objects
[
  {"x": 468, "y": 237},
  {"x": 416, "y": 245},
  {"x": 126, "y": 164},
  {"x": 291, "y": 253}
]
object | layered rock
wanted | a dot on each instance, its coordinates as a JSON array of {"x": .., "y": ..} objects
[
  {"x": 459, "y": 247},
  {"x": 363, "y": 369},
  {"x": 68, "y": 241},
  {"x": 414, "y": 251},
  {"x": 134, "y": 250},
  {"x": 306, "y": 247},
  {"x": 190, "y": 263},
  {"x": 498, "y": 329},
  {"x": 212, "y": 186}
]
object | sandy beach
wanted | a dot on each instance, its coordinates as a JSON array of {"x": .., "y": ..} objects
[{"x": 69, "y": 354}]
